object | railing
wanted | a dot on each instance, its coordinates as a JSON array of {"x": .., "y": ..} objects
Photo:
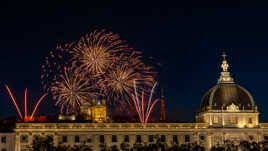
[{"x": 110, "y": 125}]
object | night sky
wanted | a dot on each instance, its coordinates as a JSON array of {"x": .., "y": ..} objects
[{"x": 186, "y": 41}]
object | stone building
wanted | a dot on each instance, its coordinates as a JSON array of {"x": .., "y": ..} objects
[
  {"x": 95, "y": 111},
  {"x": 227, "y": 112},
  {"x": 7, "y": 139}
]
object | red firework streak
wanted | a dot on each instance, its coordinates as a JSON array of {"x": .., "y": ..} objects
[
  {"x": 140, "y": 106},
  {"x": 26, "y": 117}
]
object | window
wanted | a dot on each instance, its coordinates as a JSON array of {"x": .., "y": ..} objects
[
  {"x": 138, "y": 138},
  {"x": 89, "y": 140},
  {"x": 4, "y": 139},
  {"x": 233, "y": 120},
  {"x": 36, "y": 137},
  {"x": 163, "y": 138},
  {"x": 102, "y": 139},
  {"x": 114, "y": 138},
  {"x": 76, "y": 139},
  {"x": 250, "y": 120},
  {"x": 216, "y": 119},
  {"x": 24, "y": 139},
  {"x": 126, "y": 138},
  {"x": 175, "y": 139},
  {"x": 64, "y": 139},
  {"x": 151, "y": 138},
  {"x": 187, "y": 138},
  {"x": 202, "y": 137},
  {"x": 50, "y": 137},
  {"x": 265, "y": 138}
]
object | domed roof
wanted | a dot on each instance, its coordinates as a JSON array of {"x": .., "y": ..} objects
[
  {"x": 227, "y": 94},
  {"x": 223, "y": 95}
]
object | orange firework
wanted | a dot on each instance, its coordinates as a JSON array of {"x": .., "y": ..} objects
[
  {"x": 53, "y": 67},
  {"x": 118, "y": 83},
  {"x": 72, "y": 90},
  {"x": 104, "y": 66},
  {"x": 97, "y": 51}
]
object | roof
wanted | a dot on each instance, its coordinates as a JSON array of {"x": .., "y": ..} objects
[{"x": 225, "y": 94}]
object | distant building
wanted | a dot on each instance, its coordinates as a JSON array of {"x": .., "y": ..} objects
[
  {"x": 7, "y": 139},
  {"x": 95, "y": 110},
  {"x": 227, "y": 112}
]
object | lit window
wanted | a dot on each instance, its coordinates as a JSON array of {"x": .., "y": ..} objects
[
  {"x": 250, "y": 120},
  {"x": 216, "y": 119},
  {"x": 76, "y": 139},
  {"x": 4, "y": 139},
  {"x": 114, "y": 138},
  {"x": 233, "y": 120}
]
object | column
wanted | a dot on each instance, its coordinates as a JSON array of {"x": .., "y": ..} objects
[
  {"x": 56, "y": 139},
  {"x": 17, "y": 143}
]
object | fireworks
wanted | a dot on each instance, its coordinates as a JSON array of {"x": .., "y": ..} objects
[
  {"x": 101, "y": 55},
  {"x": 71, "y": 90},
  {"x": 96, "y": 52},
  {"x": 26, "y": 117},
  {"x": 57, "y": 60},
  {"x": 143, "y": 107},
  {"x": 118, "y": 83}
]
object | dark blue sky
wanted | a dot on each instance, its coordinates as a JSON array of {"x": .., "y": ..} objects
[{"x": 186, "y": 41}]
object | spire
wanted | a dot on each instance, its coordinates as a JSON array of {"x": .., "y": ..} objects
[
  {"x": 224, "y": 64},
  {"x": 162, "y": 102},
  {"x": 225, "y": 75}
]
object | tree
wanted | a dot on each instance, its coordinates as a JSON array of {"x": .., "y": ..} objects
[
  {"x": 125, "y": 147},
  {"x": 42, "y": 144}
]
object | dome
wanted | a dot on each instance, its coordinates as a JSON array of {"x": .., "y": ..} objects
[{"x": 225, "y": 94}]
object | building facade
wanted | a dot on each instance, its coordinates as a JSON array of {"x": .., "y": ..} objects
[
  {"x": 7, "y": 139},
  {"x": 227, "y": 112}
]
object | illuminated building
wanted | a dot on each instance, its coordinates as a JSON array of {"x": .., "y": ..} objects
[
  {"x": 95, "y": 111},
  {"x": 228, "y": 104},
  {"x": 227, "y": 112},
  {"x": 7, "y": 139}
]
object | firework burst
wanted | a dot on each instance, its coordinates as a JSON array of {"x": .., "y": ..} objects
[
  {"x": 142, "y": 106},
  {"x": 102, "y": 63},
  {"x": 118, "y": 83},
  {"x": 55, "y": 62},
  {"x": 72, "y": 90},
  {"x": 96, "y": 52}
]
